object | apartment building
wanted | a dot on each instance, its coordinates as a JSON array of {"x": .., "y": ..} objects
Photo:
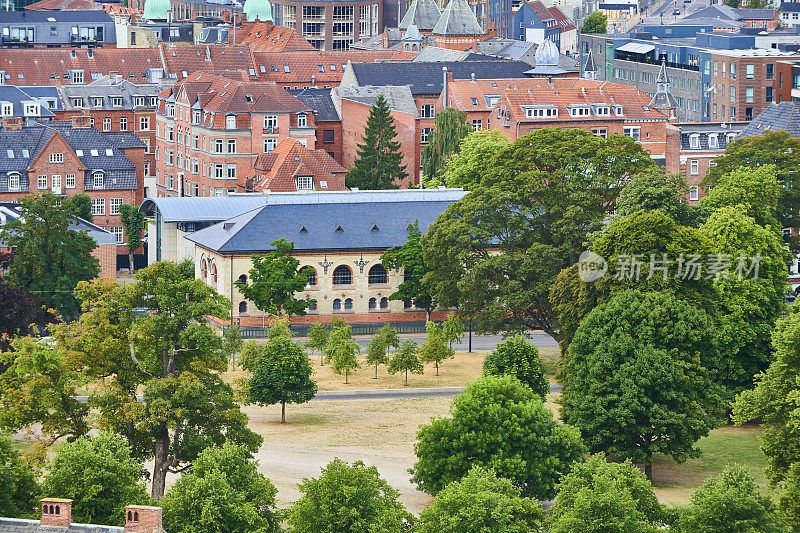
[
  {"x": 49, "y": 29},
  {"x": 210, "y": 130},
  {"x": 331, "y": 24},
  {"x": 701, "y": 143}
]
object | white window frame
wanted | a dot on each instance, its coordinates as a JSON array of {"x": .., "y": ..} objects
[
  {"x": 634, "y": 132},
  {"x": 98, "y": 180},
  {"x": 56, "y": 158},
  {"x": 304, "y": 183},
  {"x": 694, "y": 193},
  {"x": 114, "y": 204},
  {"x": 694, "y": 167},
  {"x": 41, "y": 182},
  {"x": 69, "y": 181},
  {"x": 98, "y": 207},
  {"x": 14, "y": 181}
]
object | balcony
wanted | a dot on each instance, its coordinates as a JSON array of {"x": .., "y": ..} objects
[{"x": 271, "y": 130}]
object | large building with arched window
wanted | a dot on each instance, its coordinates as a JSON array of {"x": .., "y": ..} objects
[{"x": 338, "y": 238}]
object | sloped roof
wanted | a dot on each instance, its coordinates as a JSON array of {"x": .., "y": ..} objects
[
  {"x": 17, "y": 98},
  {"x": 784, "y": 117},
  {"x": 61, "y": 5},
  {"x": 327, "y": 67},
  {"x": 201, "y": 209},
  {"x": 266, "y": 37},
  {"x": 424, "y": 14},
  {"x": 278, "y": 169},
  {"x": 319, "y": 101},
  {"x": 43, "y": 17},
  {"x": 663, "y": 98},
  {"x": 104, "y": 88},
  {"x": 457, "y": 19},
  {"x": 206, "y": 57},
  {"x": 589, "y": 65},
  {"x": 563, "y": 20},
  {"x": 398, "y": 97}
]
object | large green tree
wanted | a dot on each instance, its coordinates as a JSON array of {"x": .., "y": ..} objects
[
  {"x": 602, "y": 497},
  {"x": 450, "y": 128},
  {"x": 223, "y": 493},
  {"x": 379, "y": 161},
  {"x": 535, "y": 206},
  {"x": 757, "y": 189},
  {"x": 411, "y": 258},
  {"x": 467, "y": 167},
  {"x": 167, "y": 352},
  {"x": 519, "y": 358},
  {"x": 348, "y": 499},
  {"x": 274, "y": 279},
  {"x": 640, "y": 378},
  {"x": 80, "y": 205},
  {"x": 595, "y": 23},
  {"x": 100, "y": 476},
  {"x": 379, "y": 345},
  {"x": 21, "y": 489},
  {"x": 775, "y": 402},
  {"x": 656, "y": 189},
  {"x": 133, "y": 221},
  {"x": 480, "y": 502},
  {"x": 281, "y": 373},
  {"x": 50, "y": 258},
  {"x": 499, "y": 423}
]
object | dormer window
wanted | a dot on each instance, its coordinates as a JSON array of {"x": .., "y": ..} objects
[
  {"x": 694, "y": 142},
  {"x": 304, "y": 183},
  {"x": 602, "y": 110},
  {"x": 31, "y": 110},
  {"x": 116, "y": 101},
  {"x": 138, "y": 101},
  {"x": 541, "y": 112},
  {"x": 97, "y": 101},
  {"x": 713, "y": 141},
  {"x": 578, "y": 111},
  {"x": 77, "y": 102},
  {"x": 7, "y": 109},
  {"x": 618, "y": 110},
  {"x": 230, "y": 122},
  {"x": 302, "y": 121}
]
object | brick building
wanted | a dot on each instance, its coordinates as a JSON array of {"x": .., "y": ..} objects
[
  {"x": 71, "y": 157},
  {"x": 57, "y": 516},
  {"x": 701, "y": 143},
  {"x": 326, "y": 118},
  {"x": 210, "y": 129},
  {"x": 291, "y": 167},
  {"x": 332, "y": 24}
]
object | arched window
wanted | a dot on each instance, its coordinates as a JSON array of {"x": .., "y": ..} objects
[
  {"x": 243, "y": 278},
  {"x": 204, "y": 269},
  {"x": 312, "y": 276},
  {"x": 242, "y": 307},
  {"x": 342, "y": 275},
  {"x": 348, "y": 303},
  {"x": 384, "y": 303},
  {"x": 58, "y": 509},
  {"x": 130, "y": 517},
  {"x": 51, "y": 510},
  {"x": 136, "y": 516},
  {"x": 373, "y": 303},
  {"x": 13, "y": 181},
  {"x": 377, "y": 274},
  {"x": 44, "y": 509},
  {"x": 337, "y": 304},
  {"x": 214, "y": 273}
]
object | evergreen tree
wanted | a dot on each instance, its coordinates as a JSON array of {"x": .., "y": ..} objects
[{"x": 379, "y": 161}]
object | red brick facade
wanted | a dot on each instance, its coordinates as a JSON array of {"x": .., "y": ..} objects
[{"x": 56, "y": 512}]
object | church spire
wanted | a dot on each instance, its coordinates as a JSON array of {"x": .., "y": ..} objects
[{"x": 663, "y": 99}]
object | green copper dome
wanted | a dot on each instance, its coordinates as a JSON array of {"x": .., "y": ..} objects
[
  {"x": 156, "y": 9},
  {"x": 258, "y": 10}
]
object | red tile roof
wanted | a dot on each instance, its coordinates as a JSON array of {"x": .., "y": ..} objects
[
  {"x": 460, "y": 93},
  {"x": 278, "y": 169},
  {"x": 325, "y": 67},
  {"x": 541, "y": 11},
  {"x": 563, "y": 21},
  {"x": 62, "y": 5},
  {"x": 266, "y": 37},
  {"x": 194, "y": 58}
]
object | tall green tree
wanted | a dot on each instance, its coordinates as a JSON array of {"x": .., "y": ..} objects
[
  {"x": 595, "y": 23},
  {"x": 223, "y": 492},
  {"x": 379, "y": 345},
  {"x": 435, "y": 349},
  {"x": 519, "y": 358},
  {"x": 168, "y": 353},
  {"x": 730, "y": 503},
  {"x": 640, "y": 378},
  {"x": 541, "y": 198},
  {"x": 453, "y": 329},
  {"x": 281, "y": 373},
  {"x": 274, "y": 279},
  {"x": 499, "y": 423},
  {"x": 481, "y": 501},
  {"x": 406, "y": 360},
  {"x": 80, "y": 205},
  {"x": 450, "y": 128},
  {"x": 348, "y": 499},
  {"x": 100, "y": 476},
  {"x": 656, "y": 189},
  {"x": 602, "y": 497},
  {"x": 342, "y": 350},
  {"x": 467, "y": 167},
  {"x": 411, "y": 258},
  {"x": 133, "y": 222},
  {"x": 757, "y": 189},
  {"x": 50, "y": 259},
  {"x": 379, "y": 161},
  {"x": 775, "y": 402},
  {"x": 318, "y": 340},
  {"x": 21, "y": 489}
]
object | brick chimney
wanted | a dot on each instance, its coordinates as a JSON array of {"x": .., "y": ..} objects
[
  {"x": 143, "y": 519},
  {"x": 11, "y": 123},
  {"x": 56, "y": 512},
  {"x": 81, "y": 122}
]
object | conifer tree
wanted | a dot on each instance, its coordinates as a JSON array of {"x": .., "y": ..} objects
[{"x": 379, "y": 162}]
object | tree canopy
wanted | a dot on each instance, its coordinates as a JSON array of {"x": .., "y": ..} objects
[
  {"x": 655, "y": 189},
  {"x": 595, "y": 23},
  {"x": 21, "y": 490},
  {"x": 450, "y": 127},
  {"x": 406, "y": 360},
  {"x": 411, "y": 258},
  {"x": 475, "y": 158},
  {"x": 519, "y": 358},
  {"x": 379, "y": 345},
  {"x": 499, "y": 423},
  {"x": 318, "y": 340},
  {"x": 341, "y": 350},
  {"x": 435, "y": 348}
]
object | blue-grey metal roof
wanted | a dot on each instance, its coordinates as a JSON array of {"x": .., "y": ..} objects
[
  {"x": 201, "y": 209},
  {"x": 18, "y": 97},
  {"x": 323, "y": 226},
  {"x": 45, "y": 93},
  {"x": 784, "y": 116},
  {"x": 319, "y": 101}
]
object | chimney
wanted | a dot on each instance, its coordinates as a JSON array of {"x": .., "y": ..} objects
[
  {"x": 472, "y": 77},
  {"x": 11, "y": 123},
  {"x": 81, "y": 122},
  {"x": 56, "y": 512},
  {"x": 444, "y": 87},
  {"x": 143, "y": 519}
]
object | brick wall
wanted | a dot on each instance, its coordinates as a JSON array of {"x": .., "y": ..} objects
[
  {"x": 143, "y": 519},
  {"x": 107, "y": 255},
  {"x": 56, "y": 512},
  {"x": 334, "y": 149}
]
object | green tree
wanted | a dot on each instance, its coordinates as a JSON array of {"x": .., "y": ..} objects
[
  {"x": 80, "y": 205},
  {"x": 274, "y": 279},
  {"x": 39, "y": 387},
  {"x": 640, "y": 378},
  {"x": 100, "y": 476},
  {"x": 168, "y": 353},
  {"x": 50, "y": 259},
  {"x": 318, "y": 340},
  {"x": 348, "y": 499},
  {"x": 499, "y": 423},
  {"x": 467, "y": 167},
  {"x": 281, "y": 373},
  {"x": 519, "y": 358},
  {"x": 536, "y": 205},
  {"x": 411, "y": 258},
  {"x": 21, "y": 489},
  {"x": 449, "y": 129},
  {"x": 595, "y": 23},
  {"x": 758, "y": 189},
  {"x": 379, "y": 161},
  {"x": 379, "y": 345},
  {"x": 435, "y": 349},
  {"x": 602, "y": 497},
  {"x": 775, "y": 402},
  {"x": 223, "y": 492},
  {"x": 656, "y": 189},
  {"x": 480, "y": 502},
  {"x": 232, "y": 344},
  {"x": 453, "y": 329},
  {"x": 133, "y": 222},
  {"x": 21, "y": 313},
  {"x": 341, "y": 350},
  {"x": 776, "y": 148},
  {"x": 186, "y": 268},
  {"x": 730, "y": 503},
  {"x": 406, "y": 360}
]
